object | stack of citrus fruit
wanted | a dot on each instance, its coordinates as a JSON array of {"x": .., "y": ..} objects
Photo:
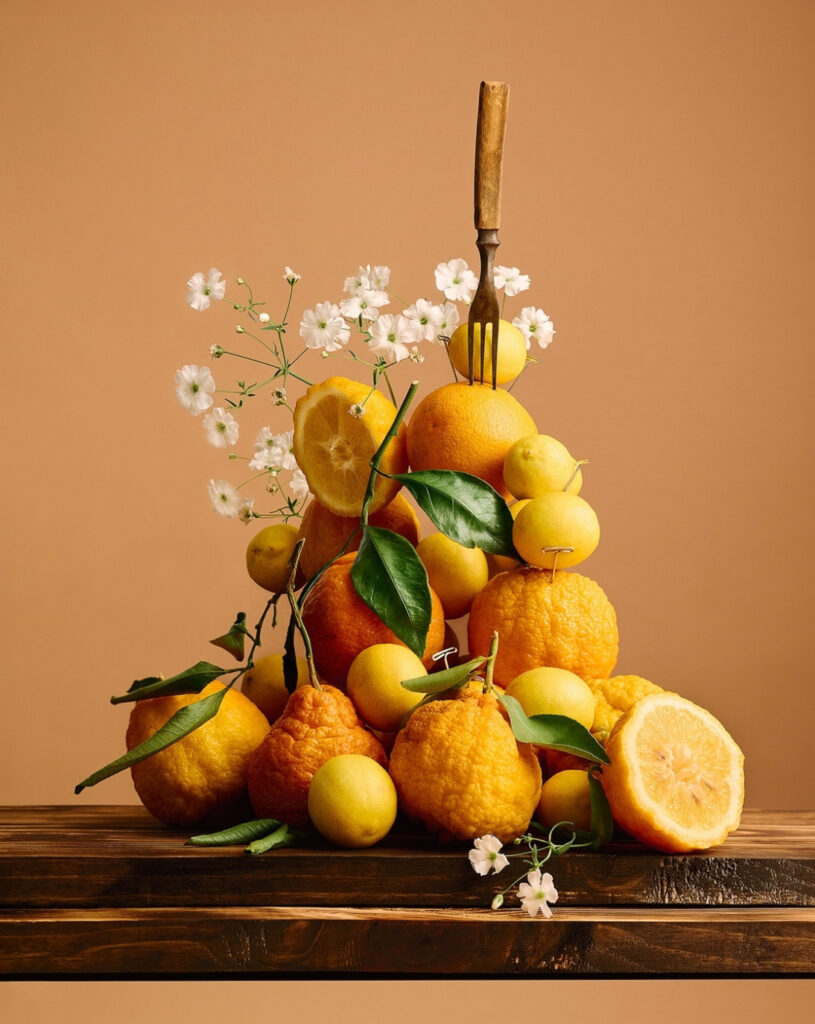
[{"x": 675, "y": 778}]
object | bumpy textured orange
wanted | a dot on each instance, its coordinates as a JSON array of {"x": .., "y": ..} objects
[
  {"x": 316, "y": 725},
  {"x": 676, "y": 777},
  {"x": 566, "y": 622},
  {"x": 325, "y": 533},
  {"x": 457, "y": 767},
  {"x": 204, "y": 774},
  {"x": 614, "y": 696},
  {"x": 467, "y": 428},
  {"x": 340, "y": 624}
]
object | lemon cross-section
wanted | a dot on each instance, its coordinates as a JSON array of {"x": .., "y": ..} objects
[{"x": 338, "y": 426}]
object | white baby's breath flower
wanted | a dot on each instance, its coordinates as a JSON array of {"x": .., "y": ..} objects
[
  {"x": 449, "y": 320},
  {"x": 365, "y": 303},
  {"x": 282, "y": 451},
  {"x": 535, "y": 325},
  {"x": 193, "y": 387},
  {"x": 415, "y": 355},
  {"x": 511, "y": 279},
  {"x": 221, "y": 427},
  {"x": 291, "y": 276},
  {"x": 225, "y": 499},
  {"x": 246, "y": 513},
  {"x": 390, "y": 337},
  {"x": 379, "y": 277},
  {"x": 279, "y": 396},
  {"x": 355, "y": 410},
  {"x": 427, "y": 319},
  {"x": 263, "y": 318},
  {"x": 216, "y": 351},
  {"x": 456, "y": 280},
  {"x": 537, "y": 892},
  {"x": 298, "y": 485},
  {"x": 202, "y": 290},
  {"x": 376, "y": 278},
  {"x": 323, "y": 327},
  {"x": 486, "y": 855}
]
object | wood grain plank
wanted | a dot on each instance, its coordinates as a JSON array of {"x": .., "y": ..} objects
[
  {"x": 119, "y": 856},
  {"x": 275, "y": 941}
]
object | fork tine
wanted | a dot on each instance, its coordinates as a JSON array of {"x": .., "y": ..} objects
[
  {"x": 482, "y": 327},
  {"x": 470, "y": 346},
  {"x": 495, "y": 327}
]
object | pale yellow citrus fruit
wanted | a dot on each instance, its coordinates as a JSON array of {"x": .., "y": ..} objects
[
  {"x": 268, "y": 555},
  {"x": 614, "y": 696},
  {"x": 325, "y": 534},
  {"x": 503, "y": 563},
  {"x": 676, "y": 777},
  {"x": 565, "y": 621},
  {"x": 456, "y": 573},
  {"x": 338, "y": 426},
  {"x": 511, "y": 352},
  {"x": 203, "y": 775},
  {"x": 352, "y": 801},
  {"x": 565, "y": 796},
  {"x": 374, "y": 684},
  {"x": 468, "y": 428},
  {"x": 265, "y": 686},
  {"x": 556, "y": 520},
  {"x": 539, "y": 464},
  {"x": 554, "y": 691},
  {"x": 458, "y": 768}
]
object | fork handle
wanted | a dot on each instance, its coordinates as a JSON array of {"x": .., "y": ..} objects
[{"x": 493, "y": 100}]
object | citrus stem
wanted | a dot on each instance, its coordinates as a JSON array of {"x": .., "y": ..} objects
[
  {"x": 491, "y": 661},
  {"x": 375, "y": 461},
  {"x": 298, "y": 618}
]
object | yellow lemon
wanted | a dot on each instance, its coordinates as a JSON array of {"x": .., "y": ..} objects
[
  {"x": 538, "y": 464},
  {"x": 556, "y": 520},
  {"x": 263, "y": 684},
  {"x": 512, "y": 348},
  {"x": 268, "y": 555},
  {"x": 352, "y": 801},
  {"x": 374, "y": 684},
  {"x": 456, "y": 573},
  {"x": 338, "y": 426},
  {"x": 565, "y": 796},
  {"x": 554, "y": 691}
]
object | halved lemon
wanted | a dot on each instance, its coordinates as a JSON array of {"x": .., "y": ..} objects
[
  {"x": 338, "y": 426},
  {"x": 676, "y": 777}
]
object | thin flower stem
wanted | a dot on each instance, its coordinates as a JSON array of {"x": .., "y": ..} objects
[
  {"x": 390, "y": 291},
  {"x": 240, "y": 355},
  {"x": 375, "y": 461},
  {"x": 388, "y": 382},
  {"x": 251, "y": 479}
]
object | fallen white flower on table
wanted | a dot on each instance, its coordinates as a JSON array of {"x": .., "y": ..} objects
[
  {"x": 201, "y": 290},
  {"x": 537, "y": 892},
  {"x": 194, "y": 387},
  {"x": 486, "y": 855}
]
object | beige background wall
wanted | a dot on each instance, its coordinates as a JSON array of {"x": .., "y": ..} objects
[{"x": 658, "y": 191}]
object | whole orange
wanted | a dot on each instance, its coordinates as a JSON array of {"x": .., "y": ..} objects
[
  {"x": 565, "y": 621},
  {"x": 315, "y": 726},
  {"x": 340, "y": 624},
  {"x": 458, "y": 768},
  {"x": 469, "y": 428},
  {"x": 202, "y": 775},
  {"x": 325, "y": 533}
]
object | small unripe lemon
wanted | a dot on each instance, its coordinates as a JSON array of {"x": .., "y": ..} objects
[
  {"x": 455, "y": 573},
  {"x": 268, "y": 555},
  {"x": 556, "y": 520},
  {"x": 374, "y": 684},
  {"x": 511, "y": 352},
  {"x": 539, "y": 464},
  {"x": 565, "y": 796},
  {"x": 352, "y": 801},
  {"x": 554, "y": 691},
  {"x": 265, "y": 686}
]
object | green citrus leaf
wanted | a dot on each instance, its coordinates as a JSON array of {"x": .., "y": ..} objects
[
  {"x": 238, "y": 834},
  {"x": 446, "y": 679},
  {"x": 232, "y": 642},
  {"x": 183, "y": 722},
  {"x": 191, "y": 680},
  {"x": 602, "y": 823},
  {"x": 283, "y": 836},
  {"x": 389, "y": 577},
  {"x": 464, "y": 508},
  {"x": 554, "y": 731}
]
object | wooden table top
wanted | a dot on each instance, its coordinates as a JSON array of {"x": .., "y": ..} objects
[{"x": 108, "y": 892}]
